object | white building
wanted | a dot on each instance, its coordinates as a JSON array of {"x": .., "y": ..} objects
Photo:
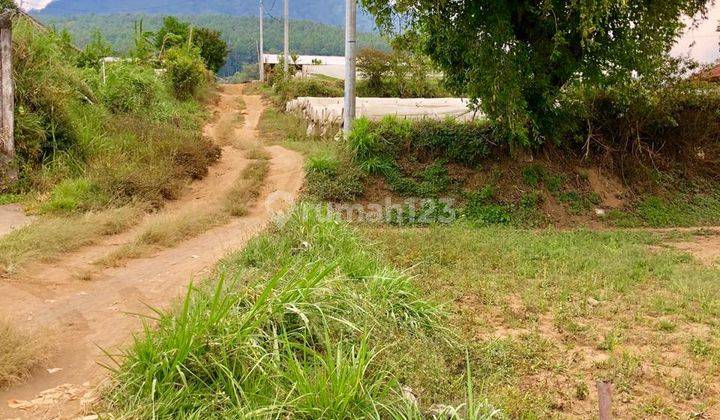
[{"x": 326, "y": 65}]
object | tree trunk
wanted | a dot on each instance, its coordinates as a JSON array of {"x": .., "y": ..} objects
[{"x": 8, "y": 171}]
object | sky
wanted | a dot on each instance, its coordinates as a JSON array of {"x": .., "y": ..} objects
[{"x": 701, "y": 43}]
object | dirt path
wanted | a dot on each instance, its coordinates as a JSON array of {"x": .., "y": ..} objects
[
  {"x": 82, "y": 316},
  {"x": 12, "y": 217}
]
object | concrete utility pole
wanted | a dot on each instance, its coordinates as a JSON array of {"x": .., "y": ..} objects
[
  {"x": 7, "y": 96},
  {"x": 261, "y": 61},
  {"x": 287, "y": 36},
  {"x": 350, "y": 64}
]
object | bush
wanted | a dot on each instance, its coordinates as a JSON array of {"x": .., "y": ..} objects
[
  {"x": 288, "y": 88},
  {"x": 185, "y": 71},
  {"x": 640, "y": 128},
  {"x": 129, "y": 88},
  {"x": 49, "y": 93},
  {"x": 329, "y": 178},
  {"x": 151, "y": 161},
  {"x": 398, "y": 74},
  {"x": 390, "y": 145}
]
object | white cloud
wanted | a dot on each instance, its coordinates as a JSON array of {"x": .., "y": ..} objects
[{"x": 33, "y": 4}]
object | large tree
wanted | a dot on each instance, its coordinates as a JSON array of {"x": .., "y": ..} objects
[{"x": 517, "y": 56}]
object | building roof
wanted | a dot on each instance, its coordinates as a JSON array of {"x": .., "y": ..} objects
[{"x": 306, "y": 60}]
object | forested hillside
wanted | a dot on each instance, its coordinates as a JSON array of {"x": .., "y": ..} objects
[
  {"x": 241, "y": 34},
  {"x": 329, "y": 12}
]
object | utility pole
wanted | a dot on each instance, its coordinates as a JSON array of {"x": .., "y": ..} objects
[
  {"x": 350, "y": 64},
  {"x": 7, "y": 97},
  {"x": 262, "y": 47},
  {"x": 286, "y": 66}
]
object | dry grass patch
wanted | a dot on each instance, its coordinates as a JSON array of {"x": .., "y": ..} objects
[
  {"x": 20, "y": 352},
  {"x": 168, "y": 230},
  {"x": 49, "y": 237},
  {"x": 165, "y": 231},
  {"x": 247, "y": 188}
]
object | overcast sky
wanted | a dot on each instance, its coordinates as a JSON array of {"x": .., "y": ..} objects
[{"x": 702, "y": 43}]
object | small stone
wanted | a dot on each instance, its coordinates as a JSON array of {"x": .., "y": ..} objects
[
  {"x": 600, "y": 212},
  {"x": 54, "y": 370}
]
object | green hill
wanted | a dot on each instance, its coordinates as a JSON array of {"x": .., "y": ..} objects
[
  {"x": 241, "y": 34},
  {"x": 321, "y": 11}
]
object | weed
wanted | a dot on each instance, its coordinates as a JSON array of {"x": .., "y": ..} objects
[
  {"x": 74, "y": 194},
  {"x": 329, "y": 178},
  {"x": 610, "y": 340},
  {"x": 534, "y": 174},
  {"x": 323, "y": 164},
  {"x": 700, "y": 347},
  {"x": 247, "y": 188},
  {"x": 687, "y": 387},
  {"x": 20, "y": 352},
  {"x": 666, "y": 326},
  {"x": 49, "y": 237}
]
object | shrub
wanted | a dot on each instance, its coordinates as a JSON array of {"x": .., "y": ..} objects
[
  {"x": 287, "y": 88},
  {"x": 384, "y": 148},
  {"x": 129, "y": 88},
  {"x": 151, "y": 161},
  {"x": 49, "y": 93},
  {"x": 397, "y": 74},
  {"x": 329, "y": 178},
  {"x": 185, "y": 71}
]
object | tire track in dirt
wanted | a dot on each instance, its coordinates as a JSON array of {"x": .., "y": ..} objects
[{"x": 83, "y": 316}]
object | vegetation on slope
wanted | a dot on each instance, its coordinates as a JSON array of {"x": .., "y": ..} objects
[{"x": 123, "y": 143}]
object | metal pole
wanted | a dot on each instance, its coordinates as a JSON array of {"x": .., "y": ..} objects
[
  {"x": 261, "y": 62},
  {"x": 350, "y": 44},
  {"x": 287, "y": 36}
]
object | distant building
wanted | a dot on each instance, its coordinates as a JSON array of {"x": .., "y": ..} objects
[
  {"x": 306, "y": 65},
  {"x": 710, "y": 75}
]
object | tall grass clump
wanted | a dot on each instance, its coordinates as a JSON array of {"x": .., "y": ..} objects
[
  {"x": 301, "y": 324},
  {"x": 130, "y": 87}
]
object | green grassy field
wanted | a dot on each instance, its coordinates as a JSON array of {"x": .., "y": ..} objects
[{"x": 549, "y": 313}]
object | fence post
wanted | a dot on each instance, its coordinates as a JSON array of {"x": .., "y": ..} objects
[{"x": 7, "y": 98}]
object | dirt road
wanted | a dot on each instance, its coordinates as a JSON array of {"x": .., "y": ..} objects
[
  {"x": 12, "y": 217},
  {"x": 81, "y": 316}
]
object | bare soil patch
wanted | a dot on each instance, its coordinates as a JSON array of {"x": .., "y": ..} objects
[{"x": 12, "y": 217}]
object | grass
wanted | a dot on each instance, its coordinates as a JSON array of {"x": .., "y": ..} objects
[
  {"x": 168, "y": 230},
  {"x": 548, "y": 313},
  {"x": 247, "y": 188},
  {"x": 20, "y": 352},
  {"x": 305, "y": 322},
  {"x": 49, "y": 237},
  {"x": 165, "y": 231},
  {"x": 227, "y": 124}
]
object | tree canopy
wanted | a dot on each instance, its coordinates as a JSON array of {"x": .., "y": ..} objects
[
  {"x": 517, "y": 56},
  {"x": 174, "y": 32}
]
